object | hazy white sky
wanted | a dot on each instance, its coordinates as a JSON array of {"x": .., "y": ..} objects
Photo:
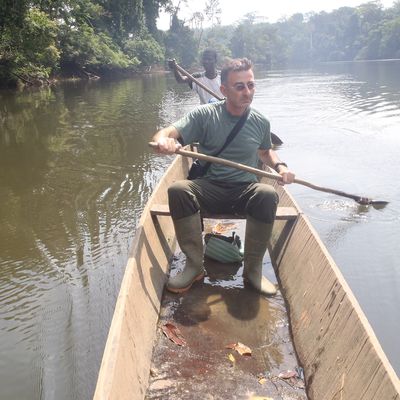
[{"x": 272, "y": 10}]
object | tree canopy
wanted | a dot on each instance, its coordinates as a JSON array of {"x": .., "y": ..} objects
[{"x": 43, "y": 38}]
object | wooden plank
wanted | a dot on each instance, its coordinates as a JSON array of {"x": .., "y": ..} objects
[{"x": 282, "y": 213}]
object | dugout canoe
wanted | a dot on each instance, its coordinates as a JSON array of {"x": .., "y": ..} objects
[{"x": 335, "y": 344}]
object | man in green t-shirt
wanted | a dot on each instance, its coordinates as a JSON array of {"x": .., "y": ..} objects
[{"x": 223, "y": 189}]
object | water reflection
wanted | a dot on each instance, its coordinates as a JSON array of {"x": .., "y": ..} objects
[
  {"x": 371, "y": 87},
  {"x": 75, "y": 175}
]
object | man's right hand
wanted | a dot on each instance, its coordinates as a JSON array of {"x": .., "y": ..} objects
[
  {"x": 167, "y": 145},
  {"x": 172, "y": 64}
]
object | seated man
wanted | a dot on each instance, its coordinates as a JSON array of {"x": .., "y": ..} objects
[
  {"x": 223, "y": 189},
  {"x": 209, "y": 78}
]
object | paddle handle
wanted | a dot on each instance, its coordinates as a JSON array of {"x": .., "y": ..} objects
[
  {"x": 262, "y": 173},
  {"x": 358, "y": 199},
  {"x": 222, "y": 161}
]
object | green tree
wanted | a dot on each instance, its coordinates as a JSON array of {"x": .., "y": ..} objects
[
  {"x": 123, "y": 18},
  {"x": 30, "y": 53},
  {"x": 218, "y": 38},
  {"x": 85, "y": 51},
  {"x": 390, "y": 41},
  {"x": 180, "y": 43},
  {"x": 151, "y": 10},
  {"x": 145, "y": 49},
  {"x": 12, "y": 13},
  {"x": 295, "y": 41}
]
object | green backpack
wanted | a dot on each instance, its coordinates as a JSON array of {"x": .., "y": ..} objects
[{"x": 223, "y": 248}]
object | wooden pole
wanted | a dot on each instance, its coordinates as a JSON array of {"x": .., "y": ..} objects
[{"x": 259, "y": 172}]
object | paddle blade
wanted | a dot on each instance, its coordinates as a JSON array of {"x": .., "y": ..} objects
[
  {"x": 276, "y": 139},
  {"x": 365, "y": 201}
]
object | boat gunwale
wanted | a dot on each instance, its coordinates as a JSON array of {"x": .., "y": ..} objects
[{"x": 374, "y": 344}]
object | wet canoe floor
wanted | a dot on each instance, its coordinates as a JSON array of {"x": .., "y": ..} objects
[{"x": 216, "y": 313}]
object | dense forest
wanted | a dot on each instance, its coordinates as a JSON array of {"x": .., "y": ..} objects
[{"x": 43, "y": 39}]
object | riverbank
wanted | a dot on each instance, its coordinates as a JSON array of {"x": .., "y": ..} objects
[{"x": 21, "y": 82}]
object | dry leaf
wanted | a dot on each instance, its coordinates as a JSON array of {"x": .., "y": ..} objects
[
  {"x": 153, "y": 372},
  {"x": 241, "y": 348},
  {"x": 221, "y": 227},
  {"x": 287, "y": 374},
  {"x": 173, "y": 334},
  {"x": 262, "y": 381},
  {"x": 231, "y": 358}
]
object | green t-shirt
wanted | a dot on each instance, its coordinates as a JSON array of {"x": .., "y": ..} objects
[{"x": 210, "y": 125}]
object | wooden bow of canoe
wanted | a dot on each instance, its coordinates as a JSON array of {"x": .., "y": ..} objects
[{"x": 335, "y": 344}]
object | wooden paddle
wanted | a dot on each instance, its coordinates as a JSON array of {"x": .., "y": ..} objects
[
  {"x": 359, "y": 199},
  {"x": 274, "y": 138}
]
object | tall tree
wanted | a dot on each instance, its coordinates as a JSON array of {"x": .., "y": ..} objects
[
  {"x": 151, "y": 10},
  {"x": 12, "y": 13}
]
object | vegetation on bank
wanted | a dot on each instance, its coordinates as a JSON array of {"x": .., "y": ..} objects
[{"x": 40, "y": 39}]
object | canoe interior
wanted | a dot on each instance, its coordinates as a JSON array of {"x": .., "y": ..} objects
[
  {"x": 215, "y": 313},
  {"x": 335, "y": 344}
]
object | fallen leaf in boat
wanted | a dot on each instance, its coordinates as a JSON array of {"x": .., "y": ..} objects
[
  {"x": 173, "y": 334},
  {"x": 241, "y": 348},
  {"x": 262, "y": 381},
  {"x": 287, "y": 374},
  {"x": 154, "y": 372},
  {"x": 231, "y": 358},
  {"x": 223, "y": 227}
]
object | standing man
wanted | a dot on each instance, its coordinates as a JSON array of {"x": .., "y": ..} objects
[
  {"x": 223, "y": 189},
  {"x": 209, "y": 78}
]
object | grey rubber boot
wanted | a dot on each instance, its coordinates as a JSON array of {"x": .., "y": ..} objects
[
  {"x": 255, "y": 245},
  {"x": 188, "y": 233}
]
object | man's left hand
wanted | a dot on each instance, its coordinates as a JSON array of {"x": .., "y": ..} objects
[{"x": 287, "y": 177}]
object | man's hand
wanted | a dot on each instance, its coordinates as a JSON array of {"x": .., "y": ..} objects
[
  {"x": 167, "y": 145},
  {"x": 172, "y": 64},
  {"x": 287, "y": 176}
]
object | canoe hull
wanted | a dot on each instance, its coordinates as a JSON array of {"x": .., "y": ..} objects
[
  {"x": 334, "y": 341},
  {"x": 125, "y": 367},
  {"x": 335, "y": 344}
]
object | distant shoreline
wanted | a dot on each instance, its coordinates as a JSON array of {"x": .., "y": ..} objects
[{"x": 360, "y": 61}]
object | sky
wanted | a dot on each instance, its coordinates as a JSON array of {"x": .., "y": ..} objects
[{"x": 272, "y": 10}]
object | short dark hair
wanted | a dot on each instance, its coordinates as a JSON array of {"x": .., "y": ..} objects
[
  {"x": 209, "y": 52},
  {"x": 235, "y": 65}
]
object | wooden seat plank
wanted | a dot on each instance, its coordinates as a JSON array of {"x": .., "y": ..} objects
[{"x": 282, "y": 213}]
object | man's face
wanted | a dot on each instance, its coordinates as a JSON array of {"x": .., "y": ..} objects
[
  {"x": 239, "y": 89},
  {"x": 209, "y": 61}
]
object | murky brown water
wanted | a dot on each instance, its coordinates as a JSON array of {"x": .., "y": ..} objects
[
  {"x": 76, "y": 171},
  {"x": 217, "y": 312}
]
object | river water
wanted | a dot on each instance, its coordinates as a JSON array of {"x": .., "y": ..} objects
[{"x": 76, "y": 172}]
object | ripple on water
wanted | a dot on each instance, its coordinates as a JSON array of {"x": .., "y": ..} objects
[{"x": 351, "y": 211}]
